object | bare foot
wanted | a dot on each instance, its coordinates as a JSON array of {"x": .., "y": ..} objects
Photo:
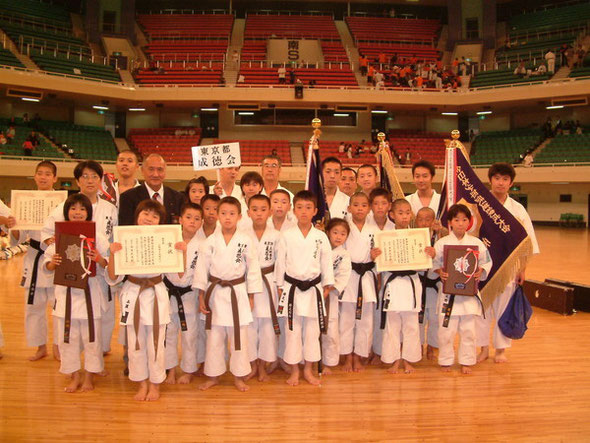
[
  {"x": 357, "y": 365},
  {"x": 262, "y": 374},
  {"x": 142, "y": 391},
  {"x": 429, "y": 352},
  {"x": 56, "y": 355},
  {"x": 103, "y": 373},
  {"x": 88, "y": 384},
  {"x": 285, "y": 367},
  {"x": 293, "y": 379},
  {"x": 483, "y": 354},
  {"x": 465, "y": 369},
  {"x": 347, "y": 366},
  {"x": 74, "y": 383},
  {"x": 185, "y": 379},
  {"x": 41, "y": 352},
  {"x": 500, "y": 356},
  {"x": 240, "y": 384},
  {"x": 408, "y": 368},
  {"x": 211, "y": 381},
  {"x": 273, "y": 366},
  {"x": 153, "y": 392},
  {"x": 171, "y": 377},
  {"x": 253, "y": 370},
  {"x": 394, "y": 369},
  {"x": 376, "y": 360},
  {"x": 308, "y": 375},
  {"x": 445, "y": 368},
  {"x": 326, "y": 370}
]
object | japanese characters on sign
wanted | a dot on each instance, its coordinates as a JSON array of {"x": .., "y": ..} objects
[{"x": 225, "y": 155}]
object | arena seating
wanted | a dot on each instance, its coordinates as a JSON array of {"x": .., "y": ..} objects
[
  {"x": 174, "y": 148},
  {"x": 330, "y": 149},
  {"x": 394, "y": 30},
  {"x": 46, "y": 12},
  {"x": 185, "y": 48},
  {"x": 90, "y": 142},
  {"x": 22, "y": 131},
  {"x": 252, "y": 151},
  {"x": 529, "y": 50},
  {"x": 549, "y": 20},
  {"x": 503, "y": 77},
  {"x": 322, "y": 77},
  {"x": 74, "y": 66},
  {"x": 8, "y": 58},
  {"x": 294, "y": 26},
  {"x": 583, "y": 71},
  {"x": 568, "y": 148},
  {"x": 333, "y": 51},
  {"x": 372, "y": 50},
  {"x": 504, "y": 146},
  {"x": 253, "y": 50},
  {"x": 421, "y": 145}
]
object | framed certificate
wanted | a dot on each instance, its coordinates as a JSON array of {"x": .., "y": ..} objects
[
  {"x": 148, "y": 249},
  {"x": 403, "y": 249},
  {"x": 460, "y": 262},
  {"x": 31, "y": 208}
]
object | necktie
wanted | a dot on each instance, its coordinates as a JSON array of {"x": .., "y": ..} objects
[{"x": 156, "y": 197}]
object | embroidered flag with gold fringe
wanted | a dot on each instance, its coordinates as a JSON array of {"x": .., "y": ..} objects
[
  {"x": 504, "y": 236},
  {"x": 387, "y": 170}
]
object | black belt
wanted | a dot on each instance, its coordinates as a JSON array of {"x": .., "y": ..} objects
[
  {"x": 305, "y": 285},
  {"x": 447, "y": 309},
  {"x": 177, "y": 292},
  {"x": 426, "y": 283},
  {"x": 361, "y": 269},
  {"x": 33, "y": 285},
  {"x": 393, "y": 275}
]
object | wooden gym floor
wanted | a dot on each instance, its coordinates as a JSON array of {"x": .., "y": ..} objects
[{"x": 542, "y": 393}]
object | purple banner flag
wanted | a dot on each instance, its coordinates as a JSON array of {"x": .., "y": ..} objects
[
  {"x": 314, "y": 181},
  {"x": 504, "y": 236}
]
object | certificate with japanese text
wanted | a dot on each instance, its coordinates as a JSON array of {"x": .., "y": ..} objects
[
  {"x": 31, "y": 208},
  {"x": 148, "y": 249},
  {"x": 403, "y": 250}
]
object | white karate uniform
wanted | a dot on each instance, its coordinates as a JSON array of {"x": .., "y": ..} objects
[
  {"x": 201, "y": 332},
  {"x": 430, "y": 335},
  {"x": 331, "y": 339},
  {"x": 401, "y": 302},
  {"x": 105, "y": 215},
  {"x": 498, "y": 306},
  {"x": 339, "y": 206},
  {"x": 188, "y": 338},
  {"x": 235, "y": 192},
  {"x": 35, "y": 313},
  {"x": 465, "y": 308},
  {"x": 303, "y": 258},
  {"x": 147, "y": 362},
  {"x": 79, "y": 335},
  {"x": 377, "y": 331},
  {"x": 229, "y": 261},
  {"x": 416, "y": 204},
  {"x": 288, "y": 223},
  {"x": 262, "y": 340},
  {"x": 357, "y": 335}
]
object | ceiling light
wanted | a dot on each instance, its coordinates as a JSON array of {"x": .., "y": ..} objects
[
  {"x": 209, "y": 109},
  {"x": 137, "y": 109},
  {"x": 102, "y": 108},
  {"x": 341, "y": 115},
  {"x": 484, "y": 113},
  {"x": 28, "y": 99},
  {"x": 449, "y": 113},
  {"x": 245, "y": 113},
  {"x": 378, "y": 111},
  {"x": 555, "y": 107}
]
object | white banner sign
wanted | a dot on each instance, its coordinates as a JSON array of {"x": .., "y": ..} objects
[{"x": 224, "y": 155}]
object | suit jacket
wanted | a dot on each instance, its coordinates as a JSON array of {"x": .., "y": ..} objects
[{"x": 132, "y": 197}]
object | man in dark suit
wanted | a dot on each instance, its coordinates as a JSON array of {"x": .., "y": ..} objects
[{"x": 154, "y": 173}]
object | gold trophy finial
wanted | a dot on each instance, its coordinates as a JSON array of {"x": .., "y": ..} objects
[
  {"x": 316, "y": 123},
  {"x": 381, "y": 137}
]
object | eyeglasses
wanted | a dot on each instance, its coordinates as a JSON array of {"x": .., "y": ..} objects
[
  {"x": 89, "y": 177},
  {"x": 270, "y": 165}
]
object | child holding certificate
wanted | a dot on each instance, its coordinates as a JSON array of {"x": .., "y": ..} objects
[
  {"x": 337, "y": 230},
  {"x": 38, "y": 287},
  {"x": 78, "y": 311},
  {"x": 400, "y": 306},
  {"x": 227, "y": 277},
  {"x": 264, "y": 330},
  {"x": 358, "y": 300},
  {"x": 183, "y": 301},
  {"x": 458, "y": 313},
  {"x": 145, "y": 312}
]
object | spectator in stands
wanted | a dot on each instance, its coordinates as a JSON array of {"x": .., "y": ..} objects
[
  {"x": 282, "y": 72},
  {"x": 558, "y": 127},
  {"x": 382, "y": 59},
  {"x": 341, "y": 148},
  {"x": 292, "y": 76},
  {"x": 154, "y": 173},
  {"x": 26, "y": 120},
  {"x": 28, "y": 147},
  {"x": 241, "y": 78},
  {"x": 3, "y": 139},
  {"x": 541, "y": 70},
  {"x": 34, "y": 139},
  {"x": 275, "y": 152},
  {"x": 235, "y": 56},
  {"x": 393, "y": 60},
  {"x": 455, "y": 66},
  {"x": 528, "y": 160},
  {"x": 550, "y": 58},
  {"x": 548, "y": 128},
  {"x": 563, "y": 53},
  {"x": 363, "y": 64},
  {"x": 570, "y": 56},
  {"x": 520, "y": 70},
  {"x": 408, "y": 156},
  {"x": 10, "y": 133},
  {"x": 580, "y": 53},
  {"x": 379, "y": 77},
  {"x": 370, "y": 74},
  {"x": 578, "y": 127}
]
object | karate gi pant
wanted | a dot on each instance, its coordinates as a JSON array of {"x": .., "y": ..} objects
[
  {"x": 331, "y": 343},
  {"x": 217, "y": 339},
  {"x": 36, "y": 317},
  {"x": 429, "y": 334},
  {"x": 70, "y": 353},
  {"x": 282, "y": 339},
  {"x": 493, "y": 314},
  {"x": 262, "y": 341},
  {"x": 465, "y": 325},
  {"x": 356, "y": 335},
  {"x": 401, "y": 328},
  {"x": 303, "y": 342},
  {"x": 201, "y": 340},
  {"x": 107, "y": 318},
  {"x": 144, "y": 364},
  {"x": 377, "y": 331},
  {"x": 188, "y": 343}
]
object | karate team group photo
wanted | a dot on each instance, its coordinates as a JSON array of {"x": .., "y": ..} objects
[{"x": 242, "y": 276}]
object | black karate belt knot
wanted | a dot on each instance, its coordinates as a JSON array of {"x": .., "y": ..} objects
[
  {"x": 177, "y": 292},
  {"x": 305, "y": 285},
  {"x": 393, "y": 276},
  {"x": 361, "y": 269}
]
